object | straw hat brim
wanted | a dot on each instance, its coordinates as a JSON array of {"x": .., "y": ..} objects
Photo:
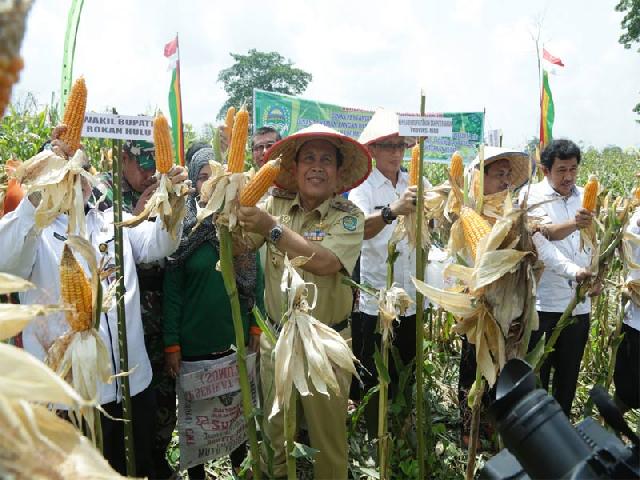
[
  {"x": 356, "y": 164},
  {"x": 519, "y": 164}
]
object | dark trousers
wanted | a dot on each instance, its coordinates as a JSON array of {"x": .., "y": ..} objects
[
  {"x": 566, "y": 357},
  {"x": 626, "y": 375},
  {"x": 466, "y": 377},
  {"x": 237, "y": 457},
  {"x": 404, "y": 340},
  {"x": 144, "y": 414}
]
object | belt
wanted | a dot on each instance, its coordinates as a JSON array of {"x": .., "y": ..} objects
[{"x": 338, "y": 327}]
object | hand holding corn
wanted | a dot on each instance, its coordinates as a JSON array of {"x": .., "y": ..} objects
[
  {"x": 255, "y": 220},
  {"x": 406, "y": 203},
  {"x": 583, "y": 218}
]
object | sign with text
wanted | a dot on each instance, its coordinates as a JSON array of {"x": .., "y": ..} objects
[
  {"x": 211, "y": 423},
  {"x": 429, "y": 126},
  {"x": 288, "y": 114},
  {"x": 118, "y": 127}
]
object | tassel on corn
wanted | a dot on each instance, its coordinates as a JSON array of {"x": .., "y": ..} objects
[
  {"x": 475, "y": 228},
  {"x": 75, "y": 290},
  {"x": 238, "y": 141},
  {"x": 414, "y": 167},
  {"x": 590, "y": 194},
  {"x": 258, "y": 186},
  {"x": 228, "y": 123},
  {"x": 163, "y": 144},
  {"x": 456, "y": 168},
  {"x": 74, "y": 114}
]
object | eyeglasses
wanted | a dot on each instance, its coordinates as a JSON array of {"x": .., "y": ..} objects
[
  {"x": 391, "y": 146},
  {"x": 263, "y": 147}
]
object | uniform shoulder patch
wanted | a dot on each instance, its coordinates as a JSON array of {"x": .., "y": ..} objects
[
  {"x": 349, "y": 222},
  {"x": 344, "y": 205},
  {"x": 282, "y": 193}
]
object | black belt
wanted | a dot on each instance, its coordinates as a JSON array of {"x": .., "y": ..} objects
[{"x": 338, "y": 327}]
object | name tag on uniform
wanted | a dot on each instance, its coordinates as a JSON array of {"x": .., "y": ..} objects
[{"x": 316, "y": 235}]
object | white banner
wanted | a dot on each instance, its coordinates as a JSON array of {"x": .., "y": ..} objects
[
  {"x": 211, "y": 423},
  {"x": 428, "y": 126},
  {"x": 118, "y": 127}
]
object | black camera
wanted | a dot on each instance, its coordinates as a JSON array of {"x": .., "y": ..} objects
[{"x": 541, "y": 443}]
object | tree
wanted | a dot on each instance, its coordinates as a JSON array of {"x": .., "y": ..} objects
[
  {"x": 631, "y": 28},
  {"x": 264, "y": 70}
]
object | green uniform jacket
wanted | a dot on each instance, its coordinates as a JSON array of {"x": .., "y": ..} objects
[{"x": 197, "y": 311}]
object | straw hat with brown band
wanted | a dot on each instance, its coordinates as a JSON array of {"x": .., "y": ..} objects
[
  {"x": 519, "y": 163},
  {"x": 356, "y": 161}
]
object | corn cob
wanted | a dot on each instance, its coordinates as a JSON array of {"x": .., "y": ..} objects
[
  {"x": 228, "y": 123},
  {"x": 637, "y": 193},
  {"x": 414, "y": 167},
  {"x": 258, "y": 186},
  {"x": 475, "y": 228},
  {"x": 456, "y": 168},
  {"x": 163, "y": 144},
  {"x": 590, "y": 194},
  {"x": 75, "y": 290},
  {"x": 13, "y": 16},
  {"x": 74, "y": 114},
  {"x": 235, "y": 162}
]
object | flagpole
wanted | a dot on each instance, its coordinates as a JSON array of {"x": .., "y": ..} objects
[{"x": 179, "y": 101}]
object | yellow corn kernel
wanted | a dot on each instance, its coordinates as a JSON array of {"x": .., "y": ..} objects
[
  {"x": 415, "y": 165},
  {"x": 235, "y": 160},
  {"x": 475, "y": 228},
  {"x": 162, "y": 143},
  {"x": 74, "y": 114},
  {"x": 456, "y": 168},
  {"x": 258, "y": 186},
  {"x": 228, "y": 123},
  {"x": 636, "y": 194},
  {"x": 590, "y": 194},
  {"x": 75, "y": 291}
]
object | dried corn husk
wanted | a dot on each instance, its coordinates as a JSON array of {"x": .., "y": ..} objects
[
  {"x": 306, "y": 349},
  {"x": 435, "y": 200},
  {"x": 60, "y": 183},
  {"x": 36, "y": 444},
  {"x": 168, "y": 203},
  {"x": 392, "y": 303}
]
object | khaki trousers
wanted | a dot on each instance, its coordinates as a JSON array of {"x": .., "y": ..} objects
[{"x": 325, "y": 418}]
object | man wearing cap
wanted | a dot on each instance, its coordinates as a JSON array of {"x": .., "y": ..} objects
[
  {"x": 383, "y": 196},
  {"x": 505, "y": 170},
  {"x": 307, "y": 217},
  {"x": 138, "y": 184}
]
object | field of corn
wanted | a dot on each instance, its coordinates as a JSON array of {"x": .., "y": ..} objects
[{"x": 26, "y": 127}]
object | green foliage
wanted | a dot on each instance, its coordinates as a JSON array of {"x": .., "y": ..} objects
[
  {"x": 614, "y": 167},
  {"x": 631, "y": 28},
  {"x": 265, "y": 70}
]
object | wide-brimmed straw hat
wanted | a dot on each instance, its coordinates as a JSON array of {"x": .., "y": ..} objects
[
  {"x": 519, "y": 161},
  {"x": 384, "y": 124},
  {"x": 356, "y": 161}
]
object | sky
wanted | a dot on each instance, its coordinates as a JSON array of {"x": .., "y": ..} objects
[{"x": 467, "y": 55}]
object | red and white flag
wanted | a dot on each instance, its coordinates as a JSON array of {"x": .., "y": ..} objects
[
  {"x": 550, "y": 63},
  {"x": 171, "y": 52}
]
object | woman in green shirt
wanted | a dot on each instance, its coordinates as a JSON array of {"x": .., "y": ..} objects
[{"x": 197, "y": 313}]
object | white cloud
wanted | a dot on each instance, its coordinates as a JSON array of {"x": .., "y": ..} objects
[{"x": 467, "y": 54}]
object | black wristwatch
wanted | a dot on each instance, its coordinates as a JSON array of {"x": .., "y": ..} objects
[
  {"x": 387, "y": 215},
  {"x": 275, "y": 233}
]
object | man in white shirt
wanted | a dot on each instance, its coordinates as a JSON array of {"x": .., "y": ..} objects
[
  {"x": 566, "y": 265},
  {"x": 626, "y": 375},
  {"x": 35, "y": 254},
  {"x": 383, "y": 196}
]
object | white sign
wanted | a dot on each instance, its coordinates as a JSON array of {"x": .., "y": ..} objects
[
  {"x": 429, "y": 126},
  {"x": 211, "y": 423},
  {"x": 494, "y": 138},
  {"x": 119, "y": 127}
]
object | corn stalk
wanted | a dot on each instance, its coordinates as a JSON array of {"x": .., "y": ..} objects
[
  {"x": 421, "y": 259},
  {"x": 229, "y": 278},
  {"x": 127, "y": 410},
  {"x": 289, "y": 434},
  {"x": 478, "y": 392},
  {"x": 383, "y": 397}
]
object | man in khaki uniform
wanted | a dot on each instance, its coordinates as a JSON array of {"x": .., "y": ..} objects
[{"x": 307, "y": 217}]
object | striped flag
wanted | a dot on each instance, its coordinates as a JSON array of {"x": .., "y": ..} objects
[
  {"x": 547, "y": 112},
  {"x": 171, "y": 51}
]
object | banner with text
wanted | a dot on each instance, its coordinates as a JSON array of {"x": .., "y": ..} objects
[
  {"x": 210, "y": 419},
  {"x": 289, "y": 114},
  {"x": 119, "y": 127}
]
